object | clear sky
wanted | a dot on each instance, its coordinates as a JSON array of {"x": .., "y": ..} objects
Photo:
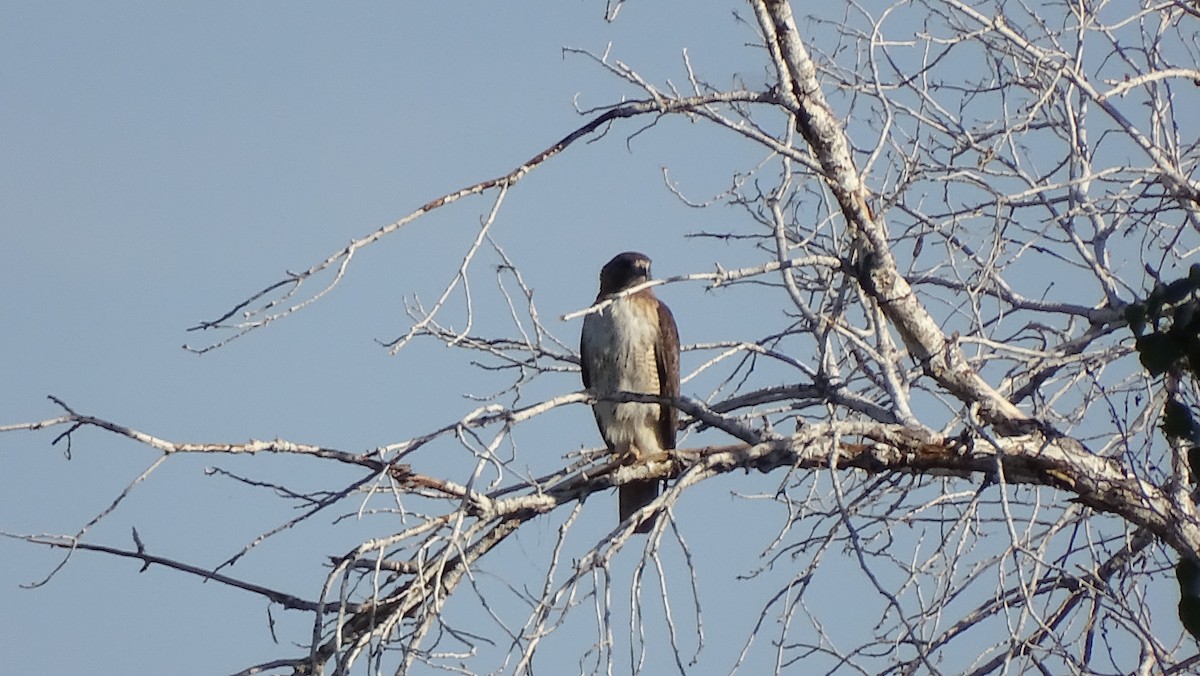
[{"x": 159, "y": 162}]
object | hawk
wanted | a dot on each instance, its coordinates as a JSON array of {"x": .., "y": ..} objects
[{"x": 632, "y": 345}]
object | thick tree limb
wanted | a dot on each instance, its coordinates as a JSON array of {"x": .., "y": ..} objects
[{"x": 938, "y": 355}]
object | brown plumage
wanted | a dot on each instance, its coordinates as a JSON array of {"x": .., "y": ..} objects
[{"x": 632, "y": 345}]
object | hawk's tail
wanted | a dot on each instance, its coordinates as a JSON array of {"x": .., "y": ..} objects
[{"x": 635, "y": 495}]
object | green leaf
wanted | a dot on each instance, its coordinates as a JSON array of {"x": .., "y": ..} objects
[
  {"x": 1177, "y": 421},
  {"x": 1135, "y": 314},
  {"x": 1183, "y": 319},
  {"x": 1177, "y": 290},
  {"x": 1187, "y": 572},
  {"x": 1189, "y": 615},
  {"x": 1157, "y": 352}
]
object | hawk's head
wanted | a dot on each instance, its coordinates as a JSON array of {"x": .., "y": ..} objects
[{"x": 623, "y": 271}]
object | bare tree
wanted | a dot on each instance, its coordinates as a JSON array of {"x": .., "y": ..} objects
[{"x": 964, "y": 216}]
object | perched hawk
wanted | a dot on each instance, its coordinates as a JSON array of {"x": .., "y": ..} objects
[{"x": 632, "y": 345}]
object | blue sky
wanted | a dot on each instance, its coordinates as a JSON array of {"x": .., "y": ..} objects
[{"x": 161, "y": 162}]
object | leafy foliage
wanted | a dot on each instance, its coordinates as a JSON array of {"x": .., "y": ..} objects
[{"x": 1167, "y": 326}]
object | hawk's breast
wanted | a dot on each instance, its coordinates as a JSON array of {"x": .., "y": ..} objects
[{"x": 619, "y": 345}]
